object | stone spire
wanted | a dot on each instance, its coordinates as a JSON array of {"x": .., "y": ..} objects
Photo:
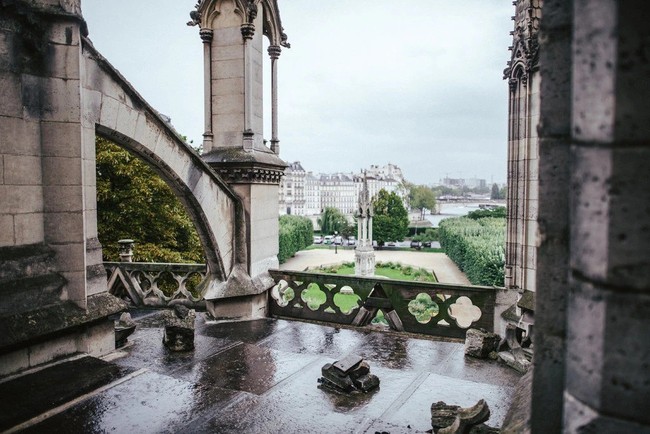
[{"x": 364, "y": 254}]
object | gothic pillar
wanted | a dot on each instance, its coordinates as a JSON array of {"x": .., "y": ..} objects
[
  {"x": 248, "y": 31},
  {"x": 234, "y": 104},
  {"x": 274, "y": 52},
  {"x": 206, "y": 37}
]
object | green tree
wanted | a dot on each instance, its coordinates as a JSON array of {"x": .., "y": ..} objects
[
  {"x": 296, "y": 233},
  {"x": 498, "y": 212},
  {"x": 495, "y": 194},
  {"x": 332, "y": 220},
  {"x": 390, "y": 222},
  {"x": 422, "y": 197},
  {"x": 134, "y": 202}
]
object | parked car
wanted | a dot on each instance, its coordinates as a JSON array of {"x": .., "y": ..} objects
[
  {"x": 318, "y": 239},
  {"x": 352, "y": 241},
  {"x": 427, "y": 244},
  {"x": 416, "y": 245},
  {"x": 328, "y": 239},
  {"x": 338, "y": 240}
]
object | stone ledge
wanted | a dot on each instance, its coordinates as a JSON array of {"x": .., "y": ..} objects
[{"x": 26, "y": 328}]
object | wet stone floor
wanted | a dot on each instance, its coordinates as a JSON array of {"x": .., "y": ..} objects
[{"x": 261, "y": 377}]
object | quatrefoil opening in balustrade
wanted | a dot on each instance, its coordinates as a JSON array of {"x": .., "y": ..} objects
[
  {"x": 143, "y": 281},
  {"x": 423, "y": 308},
  {"x": 313, "y": 296},
  {"x": 282, "y": 293},
  {"x": 191, "y": 282},
  {"x": 167, "y": 283},
  {"x": 346, "y": 300},
  {"x": 464, "y": 312}
]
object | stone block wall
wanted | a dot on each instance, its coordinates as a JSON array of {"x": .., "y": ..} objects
[{"x": 593, "y": 296}]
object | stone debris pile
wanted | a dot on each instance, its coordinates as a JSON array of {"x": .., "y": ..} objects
[
  {"x": 124, "y": 327},
  {"x": 481, "y": 344},
  {"x": 179, "y": 328},
  {"x": 348, "y": 375},
  {"x": 453, "y": 419}
]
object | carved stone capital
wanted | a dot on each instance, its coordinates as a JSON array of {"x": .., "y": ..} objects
[
  {"x": 248, "y": 30},
  {"x": 206, "y": 35},
  {"x": 274, "y": 51}
]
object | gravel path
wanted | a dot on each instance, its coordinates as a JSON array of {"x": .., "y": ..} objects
[{"x": 444, "y": 268}]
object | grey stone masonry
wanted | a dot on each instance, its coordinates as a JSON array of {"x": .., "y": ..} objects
[
  {"x": 480, "y": 343},
  {"x": 593, "y": 286}
]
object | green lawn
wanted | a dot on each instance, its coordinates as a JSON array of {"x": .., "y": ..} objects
[
  {"x": 315, "y": 297},
  {"x": 390, "y": 270}
]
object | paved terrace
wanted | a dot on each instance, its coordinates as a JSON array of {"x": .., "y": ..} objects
[{"x": 253, "y": 377}]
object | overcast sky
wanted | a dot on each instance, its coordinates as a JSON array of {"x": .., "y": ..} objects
[{"x": 417, "y": 83}]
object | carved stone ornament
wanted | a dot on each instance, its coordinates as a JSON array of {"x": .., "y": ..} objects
[
  {"x": 525, "y": 45},
  {"x": 250, "y": 175},
  {"x": 251, "y": 11},
  {"x": 195, "y": 16}
]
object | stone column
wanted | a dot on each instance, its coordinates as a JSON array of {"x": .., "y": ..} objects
[
  {"x": 248, "y": 31},
  {"x": 607, "y": 346},
  {"x": 206, "y": 37},
  {"x": 238, "y": 153},
  {"x": 553, "y": 251},
  {"x": 274, "y": 52}
]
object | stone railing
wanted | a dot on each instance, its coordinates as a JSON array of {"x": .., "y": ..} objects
[
  {"x": 155, "y": 284},
  {"x": 430, "y": 308}
]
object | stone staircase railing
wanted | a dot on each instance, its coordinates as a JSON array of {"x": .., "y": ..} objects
[
  {"x": 156, "y": 284},
  {"x": 430, "y": 308}
]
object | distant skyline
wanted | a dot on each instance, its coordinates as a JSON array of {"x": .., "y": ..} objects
[{"x": 417, "y": 83}]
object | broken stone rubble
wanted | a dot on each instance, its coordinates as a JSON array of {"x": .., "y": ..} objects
[
  {"x": 124, "y": 327},
  {"x": 480, "y": 343},
  {"x": 348, "y": 375},
  {"x": 179, "y": 328},
  {"x": 453, "y": 419}
]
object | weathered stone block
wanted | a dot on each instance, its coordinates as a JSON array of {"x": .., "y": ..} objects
[
  {"x": 63, "y": 61},
  {"x": 109, "y": 111},
  {"x": 606, "y": 358},
  {"x": 10, "y": 87},
  {"x": 18, "y": 199},
  {"x": 22, "y": 170},
  {"x": 366, "y": 383},
  {"x": 443, "y": 415},
  {"x": 63, "y": 198},
  {"x": 179, "y": 328},
  {"x": 61, "y": 139},
  {"x": 480, "y": 343},
  {"x": 20, "y": 137},
  {"x": 228, "y": 69},
  {"x": 6, "y": 230},
  {"x": 54, "y": 167},
  {"x": 336, "y": 377}
]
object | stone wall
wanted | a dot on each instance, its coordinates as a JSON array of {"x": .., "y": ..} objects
[{"x": 593, "y": 301}]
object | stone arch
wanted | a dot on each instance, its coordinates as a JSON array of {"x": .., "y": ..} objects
[{"x": 113, "y": 109}]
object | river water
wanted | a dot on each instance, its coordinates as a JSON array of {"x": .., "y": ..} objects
[{"x": 448, "y": 210}]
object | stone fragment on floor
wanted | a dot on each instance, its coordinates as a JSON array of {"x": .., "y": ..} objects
[{"x": 179, "y": 328}]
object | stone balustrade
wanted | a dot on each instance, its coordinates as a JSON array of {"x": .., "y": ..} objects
[
  {"x": 156, "y": 284},
  {"x": 417, "y": 307}
]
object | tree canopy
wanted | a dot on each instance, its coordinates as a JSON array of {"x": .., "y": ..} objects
[
  {"x": 134, "y": 202},
  {"x": 422, "y": 197},
  {"x": 332, "y": 220},
  {"x": 296, "y": 233},
  {"x": 390, "y": 222}
]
